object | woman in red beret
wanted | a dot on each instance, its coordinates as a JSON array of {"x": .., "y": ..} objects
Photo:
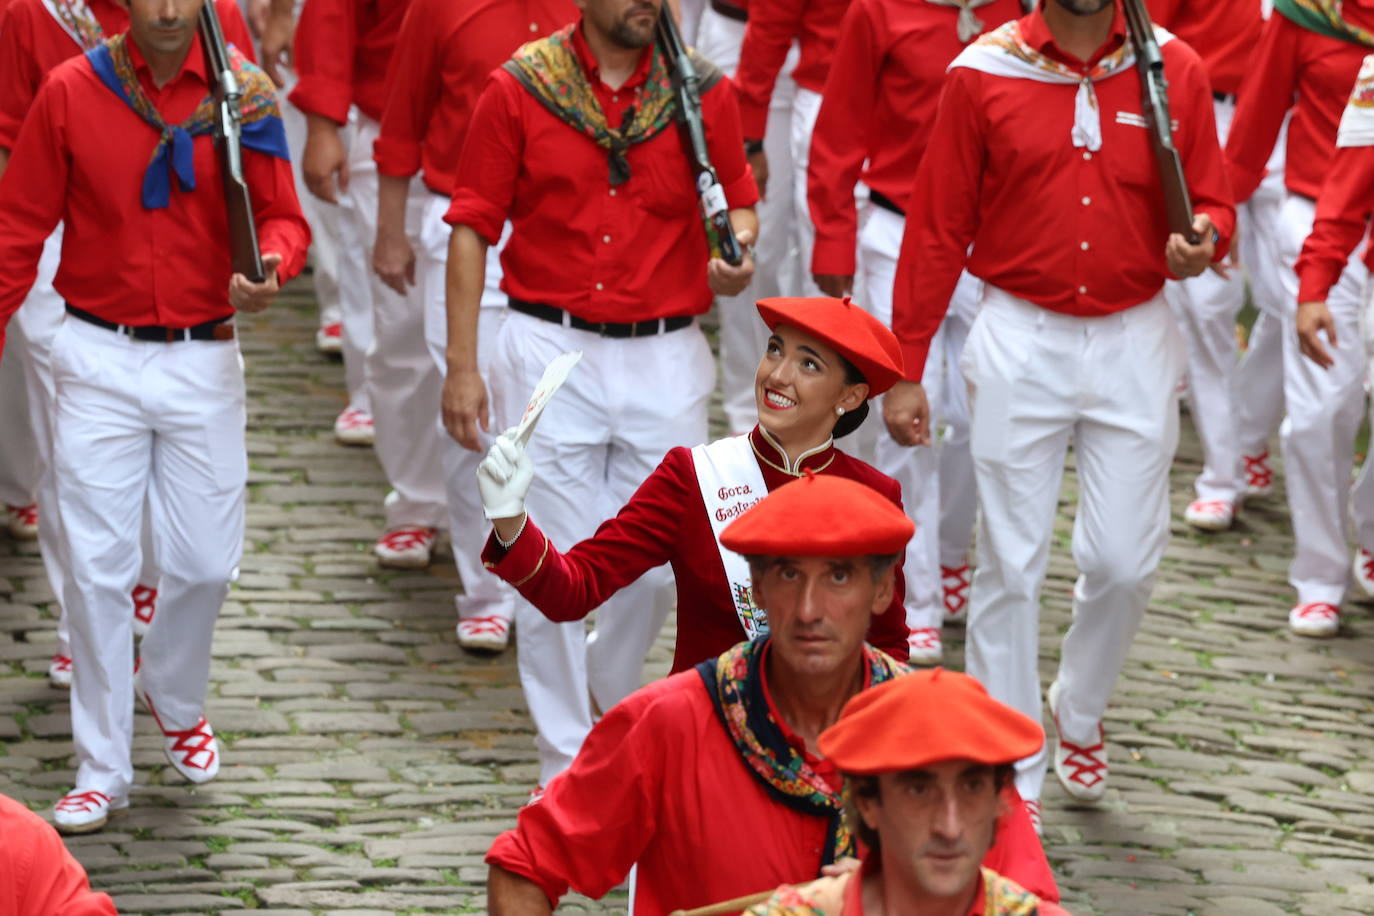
[{"x": 825, "y": 359}]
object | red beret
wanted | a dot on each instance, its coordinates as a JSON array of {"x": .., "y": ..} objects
[
  {"x": 924, "y": 718},
  {"x": 820, "y": 515},
  {"x": 856, "y": 335}
]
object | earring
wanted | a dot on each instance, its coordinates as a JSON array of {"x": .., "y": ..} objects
[{"x": 839, "y": 411}]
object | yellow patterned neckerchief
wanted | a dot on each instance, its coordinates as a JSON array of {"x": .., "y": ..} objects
[
  {"x": 77, "y": 20},
  {"x": 826, "y": 897},
  {"x": 1323, "y": 17}
]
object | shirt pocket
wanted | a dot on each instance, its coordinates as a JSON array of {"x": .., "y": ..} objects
[{"x": 661, "y": 178}]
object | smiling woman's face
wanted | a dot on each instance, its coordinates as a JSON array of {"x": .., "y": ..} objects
[{"x": 799, "y": 383}]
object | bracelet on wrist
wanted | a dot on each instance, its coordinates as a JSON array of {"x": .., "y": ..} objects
[{"x": 505, "y": 544}]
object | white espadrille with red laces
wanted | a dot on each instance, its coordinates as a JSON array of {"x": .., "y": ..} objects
[
  {"x": 60, "y": 671},
  {"x": 1033, "y": 811},
  {"x": 1081, "y": 768},
  {"x": 406, "y": 548},
  {"x": 924, "y": 646},
  {"x": 22, "y": 522},
  {"x": 193, "y": 752},
  {"x": 145, "y": 605},
  {"x": 485, "y": 634},
  {"x": 84, "y": 811},
  {"x": 954, "y": 583},
  {"x": 354, "y": 427},
  {"x": 1364, "y": 570},
  {"x": 329, "y": 338},
  {"x": 1210, "y": 514},
  {"x": 1316, "y": 619},
  {"x": 1259, "y": 476}
]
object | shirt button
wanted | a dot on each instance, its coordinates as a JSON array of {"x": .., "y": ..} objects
[
  {"x": 599, "y": 286},
  {"x": 606, "y": 239},
  {"x": 615, "y": 98},
  {"x": 1087, "y": 200},
  {"x": 1083, "y": 245},
  {"x": 613, "y": 192},
  {"x": 1082, "y": 290},
  {"x": 1087, "y": 157},
  {"x": 534, "y": 27}
]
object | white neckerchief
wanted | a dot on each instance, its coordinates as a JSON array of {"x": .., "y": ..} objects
[
  {"x": 1003, "y": 52},
  {"x": 970, "y": 26}
]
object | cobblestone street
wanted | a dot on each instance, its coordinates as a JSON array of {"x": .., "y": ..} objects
[{"x": 369, "y": 761}]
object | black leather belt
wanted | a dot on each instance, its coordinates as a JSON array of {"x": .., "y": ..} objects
[
  {"x": 650, "y": 328},
  {"x": 730, "y": 11},
  {"x": 220, "y": 329},
  {"x": 887, "y": 203},
  {"x": 1224, "y": 96}
]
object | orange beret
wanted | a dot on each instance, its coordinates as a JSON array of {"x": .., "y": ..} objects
[
  {"x": 820, "y": 515},
  {"x": 856, "y": 335},
  {"x": 924, "y": 718}
]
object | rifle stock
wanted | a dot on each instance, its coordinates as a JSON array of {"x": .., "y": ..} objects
[
  {"x": 687, "y": 84},
  {"x": 243, "y": 233},
  {"x": 1154, "y": 106}
]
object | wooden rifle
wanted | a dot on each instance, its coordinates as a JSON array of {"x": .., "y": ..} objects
[
  {"x": 243, "y": 233},
  {"x": 687, "y": 85},
  {"x": 1154, "y": 105}
]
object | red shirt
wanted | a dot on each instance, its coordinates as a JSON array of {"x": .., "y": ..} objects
[
  {"x": 666, "y": 522},
  {"x": 1223, "y": 33},
  {"x": 773, "y": 24},
  {"x": 1070, "y": 230},
  {"x": 1342, "y": 218},
  {"x": 80, "y": 159},
  {"x": 342, "y": 49},
  {"x": 38, "y": 876},
  {"x": 659, "y": 782},
  {"x": 879, "y": 106},
  {"x": 445, "y": 52},
  {"x": 1294, "y": 64},
  {"x": 32, "y": 43},
  {"x": 602, "y": 253}
]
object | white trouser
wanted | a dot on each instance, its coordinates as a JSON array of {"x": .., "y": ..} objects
[
  {"x": 777, "y": 267},
  {"x": 357, "y": 210},
  {"x": 164, "y": 423},
  {"x": 806, "y": 106},
  {"x": 38, "y": 320},
  {"x": 1362, "y": 493},
  {"x": 484, "y": 594},
  {"x": 402, "y": 382},
  {"x": 322, "y": 216},
  {"x": 1325, "y": 407},
  {"x": 919, "y": 470},
  {"x": 1258, "y": 392},
  {"x": 1038, "y": 380},
  {"x": 627, "y": 403},
  {"x": 18, "y": 449}
]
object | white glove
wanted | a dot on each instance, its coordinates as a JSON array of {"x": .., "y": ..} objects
[{"x": 504, "y": 477}]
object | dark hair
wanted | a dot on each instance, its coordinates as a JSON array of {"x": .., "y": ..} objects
[{"x": 852, "y": 419}]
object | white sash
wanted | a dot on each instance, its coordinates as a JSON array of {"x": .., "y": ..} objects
[
  {"x": 731, "y": 481},
  {"x": 1002, "y": 52},
  {"x": 1357, "y": 121},
  {"x": 76, "y": 19}
]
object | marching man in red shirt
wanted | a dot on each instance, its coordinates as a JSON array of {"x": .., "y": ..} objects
[
  {"x": 879, "y": 106},
  {"x": 35, "y": 37},
  {"x": 712, "y": 781},
  {"x": 573, "y": 141},
  {"x": 444, "y": 54},
  {"x": 149, "y": 401},
  {"x": 1341, "y": 223},
  {"x": 1308, "y": 59},
  {"x": 1074, "y": 340}
]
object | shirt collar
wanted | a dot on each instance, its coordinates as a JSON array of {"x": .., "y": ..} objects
[
  {"x": 593, "y": 69},
  {"x": 194, "y": 65},
  {"x": 771, "y": 452},
  {"x": 1037, "y": 34},
  {"x": 820, "y": 764}
]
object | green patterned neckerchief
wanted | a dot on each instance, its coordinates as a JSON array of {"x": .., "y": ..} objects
[
  {"x": 549, "y": 68},
  {"x": 735, "y": 683},
  {"x": 1323, "y": 17}
]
